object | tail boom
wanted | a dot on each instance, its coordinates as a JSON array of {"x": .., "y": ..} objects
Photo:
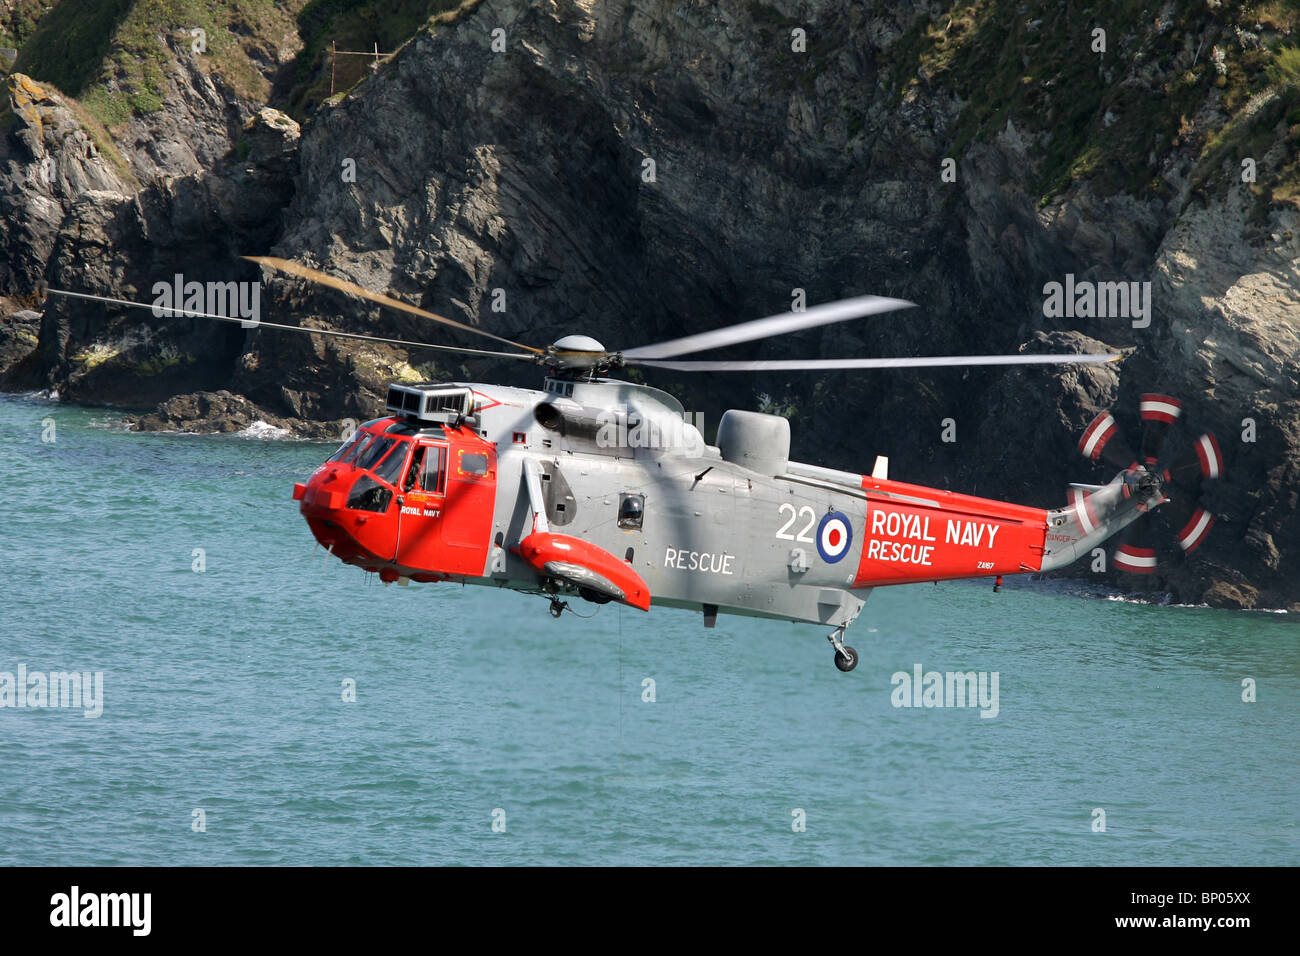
[{"x": 914, "y": 533}]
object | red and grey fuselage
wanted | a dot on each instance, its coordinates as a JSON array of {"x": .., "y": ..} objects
[{"x": 607, "y": 489}]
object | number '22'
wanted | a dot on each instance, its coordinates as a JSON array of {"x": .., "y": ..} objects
[{"x": 784, "y": 531}]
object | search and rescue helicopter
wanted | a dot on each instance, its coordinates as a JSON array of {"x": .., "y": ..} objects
[{"x": 603, "y": 490}]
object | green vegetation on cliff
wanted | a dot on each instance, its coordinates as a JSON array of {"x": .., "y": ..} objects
[
  {"x": 18, "y": 20},
  {"x": 1110, "y": 90},
  {"x": 112, "y": 54}
]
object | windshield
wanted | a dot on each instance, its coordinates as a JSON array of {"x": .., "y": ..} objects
[
  {"x": 369, "y": 457},
  {"x": 389, "y": 469},
  {"x": 349, "y": 447},
  {"x": 383, "y": 455}
]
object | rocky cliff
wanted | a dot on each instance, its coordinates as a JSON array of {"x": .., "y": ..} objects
[{"x": 634, "y": 170}]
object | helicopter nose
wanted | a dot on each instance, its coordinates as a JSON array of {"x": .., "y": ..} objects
[
  {"x": 323, "y": 501},
  {"x": 324, "y": 491}
]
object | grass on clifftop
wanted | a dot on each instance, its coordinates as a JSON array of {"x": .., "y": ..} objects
[
  {"x": 18, "y": 20},
  {"x": 1109, "y": 117},
  {"x": 111, "y": 54}
]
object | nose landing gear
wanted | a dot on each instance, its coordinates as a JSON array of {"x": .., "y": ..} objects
[{"x": 846, "y": 658}]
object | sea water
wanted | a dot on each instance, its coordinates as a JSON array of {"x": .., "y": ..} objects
[{"x": 262, "y": 703}]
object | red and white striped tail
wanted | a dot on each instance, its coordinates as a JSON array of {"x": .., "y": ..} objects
[
  {"x": 1160, "y": 408},
  {"x": 1083, "y": 511},
  {"x": 1135, "y": 560},
  {"x": 1096, "y": 435},
  {"x": 1194, "y": 532},
  {"x": 1207, "y": 450}
]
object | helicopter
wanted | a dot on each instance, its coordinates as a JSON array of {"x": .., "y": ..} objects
[{"x": 604, "y": 490}]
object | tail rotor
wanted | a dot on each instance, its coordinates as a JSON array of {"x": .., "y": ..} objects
[{"x": 1169, "y": 484}]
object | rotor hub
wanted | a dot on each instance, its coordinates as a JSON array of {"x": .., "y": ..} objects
[
  {"x": 579, "y": 353},
  {"x": 1147, "y": 485},
  {"x": 578, "y": 343}
]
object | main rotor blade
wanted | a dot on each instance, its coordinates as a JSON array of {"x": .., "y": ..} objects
[
  {"x": 778, "y": 324},
  {"x": 928, "y": 361},
  {"x": 314, "y": 275},
  {"x": 260, "y": 324}
]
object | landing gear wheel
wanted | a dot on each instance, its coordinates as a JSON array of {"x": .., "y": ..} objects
[{"x": 846, "y": 658}]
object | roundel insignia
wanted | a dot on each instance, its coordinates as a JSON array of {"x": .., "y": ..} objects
[{"x": 834, "y": 535}]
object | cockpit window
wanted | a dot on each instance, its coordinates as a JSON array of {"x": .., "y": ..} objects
[
  {"x": 390, "y": 468},
  {"x": 369, "y": 495},
  {"x": 428, "y": 469},
  {"x": 369, "y": 457},
  {"x": 417, "y": 460},
  {"x": 349, "y": 447}
]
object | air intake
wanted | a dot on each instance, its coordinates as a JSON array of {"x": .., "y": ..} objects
[
  {"x": 754, "y": 440},
  {"x": 427, "y": 402}
]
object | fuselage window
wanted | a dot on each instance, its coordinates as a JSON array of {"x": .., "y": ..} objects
[
  {"x": 631, "y": 511},
  {"x": 473, "y": 463}
]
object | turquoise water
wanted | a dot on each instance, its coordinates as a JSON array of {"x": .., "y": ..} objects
[{"x": 222, "y": 691}]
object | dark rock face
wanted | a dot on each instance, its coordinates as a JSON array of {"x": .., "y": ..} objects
[
  {"x": 219, "y": 411},
  {"x": 19, "y": 338},
  {"x": 225, "y": 412},
  {"x": 199, "y": 121},
  {"x": 638, "y": 170},
  {"x": 122, "y": 245},
  {"x": 47, "y": 162}
]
